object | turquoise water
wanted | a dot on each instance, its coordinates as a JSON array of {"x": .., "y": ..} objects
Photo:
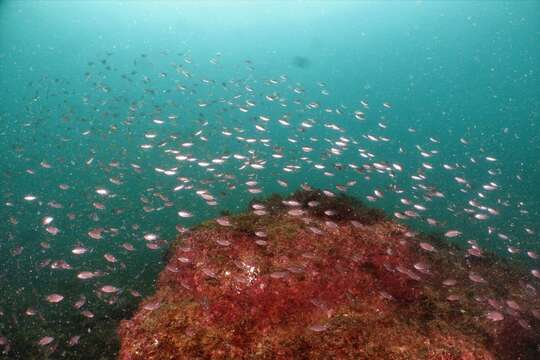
[{"x": 82, "y": 82}]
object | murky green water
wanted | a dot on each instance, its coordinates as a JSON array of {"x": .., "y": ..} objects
[{"x": 116, "y": 116}]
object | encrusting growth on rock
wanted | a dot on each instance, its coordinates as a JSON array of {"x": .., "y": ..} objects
[{"x": 330, "y": 280}]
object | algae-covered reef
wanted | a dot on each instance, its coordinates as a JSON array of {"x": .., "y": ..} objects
[{"x": 317, "y": 276}]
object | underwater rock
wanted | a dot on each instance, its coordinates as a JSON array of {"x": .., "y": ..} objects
[{"x": 334, "y": 280}]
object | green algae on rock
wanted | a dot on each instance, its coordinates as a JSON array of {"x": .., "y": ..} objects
[{"x": 331, "y": 279}]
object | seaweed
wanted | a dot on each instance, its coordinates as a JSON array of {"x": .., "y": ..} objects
[{"x": 348, "y": 291}]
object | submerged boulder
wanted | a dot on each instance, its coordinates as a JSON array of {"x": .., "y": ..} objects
[{"x": 323, "y": 277}]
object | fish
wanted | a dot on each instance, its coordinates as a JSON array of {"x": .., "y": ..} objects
[
  {"x": 185, "y": 214},
  {"x": 109, "y": 289},
  {"x": 452, "y": 233},
  {"x": 85, "y": 275},
  {"x": 54, "y": 298},
  {"x": 46, "y": 340}
]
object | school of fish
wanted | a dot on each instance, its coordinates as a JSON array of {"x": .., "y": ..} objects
[{"x": 129, "y": 166}]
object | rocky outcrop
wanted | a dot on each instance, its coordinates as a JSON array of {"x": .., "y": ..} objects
[{"x": 322, "y": 277}]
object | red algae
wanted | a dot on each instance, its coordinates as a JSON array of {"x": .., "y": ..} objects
[{"x": 365, "y": 288}]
